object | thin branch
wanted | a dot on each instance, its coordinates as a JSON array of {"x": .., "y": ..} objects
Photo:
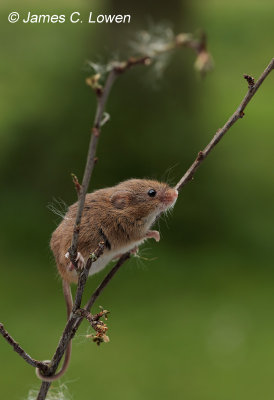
[
  {"x": 102, "y": 97},
  {"x": 132, "y": 61},
  {"x": 107, "y": 279},
  {"x": 44, "y": 388},
  {"x": 84, "y": 275},
  {"x": 100, "y": 119},
  {"x": 74, "y": 321},
  {"x": 239, "y": 113},
  {"x": 76, "y": 317},
  {"x": 18, "y": 349},
  {"x": 69, "y": 332},
  {"x": 101, "y": 287},
  {"x": 73, "y": 324},
  {"x": 101, "y": 102},
  {"x": 99, "y": 326},
  {"x": 181, "y": 40}
]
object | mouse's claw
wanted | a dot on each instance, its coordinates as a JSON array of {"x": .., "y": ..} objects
[
  {"x": 153, "y": 234},
  {"x": 79, "y": 259}
]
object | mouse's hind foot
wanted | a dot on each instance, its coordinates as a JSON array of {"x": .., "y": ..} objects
[{"x": 79, "y": 259}]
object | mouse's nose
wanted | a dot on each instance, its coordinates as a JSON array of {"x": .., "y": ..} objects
[{"x": 170, "y": 197}]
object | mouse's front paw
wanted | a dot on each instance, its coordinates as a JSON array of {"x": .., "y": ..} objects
[
  {"x": 153, "y": 234},
  {"x": 79, "y": 259}
]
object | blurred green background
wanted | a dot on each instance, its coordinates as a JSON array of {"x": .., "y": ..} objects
[{"x": 197, "y": 323}]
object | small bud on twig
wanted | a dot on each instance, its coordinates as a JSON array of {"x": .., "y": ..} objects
[
  {"x": 93, "y": 82},
  {"x": 204, "y": 62},
  {"x": 183, "y": 38},
  {"x": 95, "y": 131},
  {"x": 200, "y": 156},
  {"x": 250, "y": 80},
  {"x": 77, "y": 185},
  {"x": 97, "y": 252}
]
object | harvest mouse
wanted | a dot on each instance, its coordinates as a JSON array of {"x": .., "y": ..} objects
[{"x": 121, "y": 216}]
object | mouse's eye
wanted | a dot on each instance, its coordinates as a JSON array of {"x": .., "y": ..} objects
[{"x": 151, "y": 193}]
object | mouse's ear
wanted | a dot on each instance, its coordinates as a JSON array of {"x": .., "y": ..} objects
[{"x": 120, "y": 199}]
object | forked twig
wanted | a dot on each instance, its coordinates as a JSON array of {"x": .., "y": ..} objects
[
  {"x": 79, "y": 314},
  {"x": 18, "y": 349}
]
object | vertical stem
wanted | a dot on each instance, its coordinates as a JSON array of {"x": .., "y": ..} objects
[{"x": 101, "y": 102}]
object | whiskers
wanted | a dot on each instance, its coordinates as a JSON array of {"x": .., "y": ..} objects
[
  {"x": 165, "y": 216},
  {"x": 168, "y": 177},
  {"x": 141, "y": 259},
  {"x": 58, "y": 207}
]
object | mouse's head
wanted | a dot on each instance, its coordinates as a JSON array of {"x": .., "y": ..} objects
[{"x": 143, "y": 199}]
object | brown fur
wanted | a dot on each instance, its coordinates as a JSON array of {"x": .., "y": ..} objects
[
  {"x": 120, "y": 212},
  {"x": 119, "y": 215}
]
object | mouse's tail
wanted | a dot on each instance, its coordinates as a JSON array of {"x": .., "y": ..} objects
[{"x": 69, "y": 304}]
